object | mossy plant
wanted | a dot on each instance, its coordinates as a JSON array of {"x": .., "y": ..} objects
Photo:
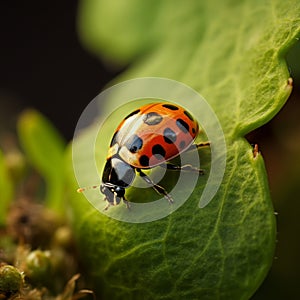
[
  {"x": 31, "y": 220},
  {"x": 11, "y": 280}
]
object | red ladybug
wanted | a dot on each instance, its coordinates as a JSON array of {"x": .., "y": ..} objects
[{"x": 149, "y": 136}]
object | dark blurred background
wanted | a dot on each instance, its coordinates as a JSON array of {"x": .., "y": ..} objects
[{"x": 43, "y": 65}]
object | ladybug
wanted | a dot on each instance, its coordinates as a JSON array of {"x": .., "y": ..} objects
[{"x": 149, "y": 136}]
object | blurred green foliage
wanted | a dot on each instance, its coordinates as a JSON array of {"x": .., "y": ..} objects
[
  {"x": 44, "y": 148},
  {"x": 6, "y": 188}
]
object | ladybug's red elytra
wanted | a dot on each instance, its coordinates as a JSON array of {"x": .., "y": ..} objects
[{"x": 149, "y": 136}]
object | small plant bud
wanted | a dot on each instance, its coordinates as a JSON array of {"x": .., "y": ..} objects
[
  {"x": 38, "y": 267},
  {"x": 11, "y": 280}
]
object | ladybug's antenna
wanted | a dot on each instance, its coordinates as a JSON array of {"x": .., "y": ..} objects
[{"x": 80, "y": 190}]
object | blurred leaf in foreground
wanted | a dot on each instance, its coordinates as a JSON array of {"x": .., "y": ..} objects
[
  {"x": 232, "y": 52},
  {"x": 44, "y": 148},
  {"x": 6, "y": 190}
]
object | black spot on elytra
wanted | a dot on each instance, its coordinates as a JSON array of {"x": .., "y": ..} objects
[
  {"x": 144, "y": 160},
  {"x": 158, "y": 151},
  {"x": 188, "y": 115},
  {"x": 193, "y": 130},
  {"x": 152, "y": 118},
  {"x": 169, "y": 136},
  {"x": 170, "y": 106},
  {"x": 134, "y": 144},
  {"x": 114, "y": 139},
  {"x": 183, "y": 126},
  {"x": 182, "y": 144},
  {"x": 132, "y": 114}
]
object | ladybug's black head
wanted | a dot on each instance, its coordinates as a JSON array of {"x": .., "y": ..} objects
[
  {"x": 113, "y": 193},
  {"x": 117, "y": 176}
]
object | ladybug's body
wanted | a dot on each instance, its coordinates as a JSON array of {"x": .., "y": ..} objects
[{"x": 149, "y": 136}]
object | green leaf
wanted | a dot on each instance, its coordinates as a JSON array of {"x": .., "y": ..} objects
[
  {"x": 44, "y": 147},
  {"x": 6, "y": 188},
  {"x": 232, "y": 52}
]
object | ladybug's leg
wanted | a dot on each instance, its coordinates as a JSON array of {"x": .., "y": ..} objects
[
  {"x": 188, "y": 168},
  {"x": 109, "y": 203},
  {"x": 107, "y": 206},
  {"x": 203, "y": 144},
  {"x": 159, "y": 189},
  {"x": 193, "y": 147},
  {"x": 126, "y": 203}
]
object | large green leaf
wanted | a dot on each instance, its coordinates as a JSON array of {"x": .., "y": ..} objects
[{"x": 232, "y": 52}]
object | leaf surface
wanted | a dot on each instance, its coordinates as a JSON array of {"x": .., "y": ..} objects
[{"x": 232, "y": 53}]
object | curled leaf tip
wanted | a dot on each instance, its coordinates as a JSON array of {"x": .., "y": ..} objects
[
  {"x": 255, "y": 151},
  {"x": 290, "y": 82}
]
